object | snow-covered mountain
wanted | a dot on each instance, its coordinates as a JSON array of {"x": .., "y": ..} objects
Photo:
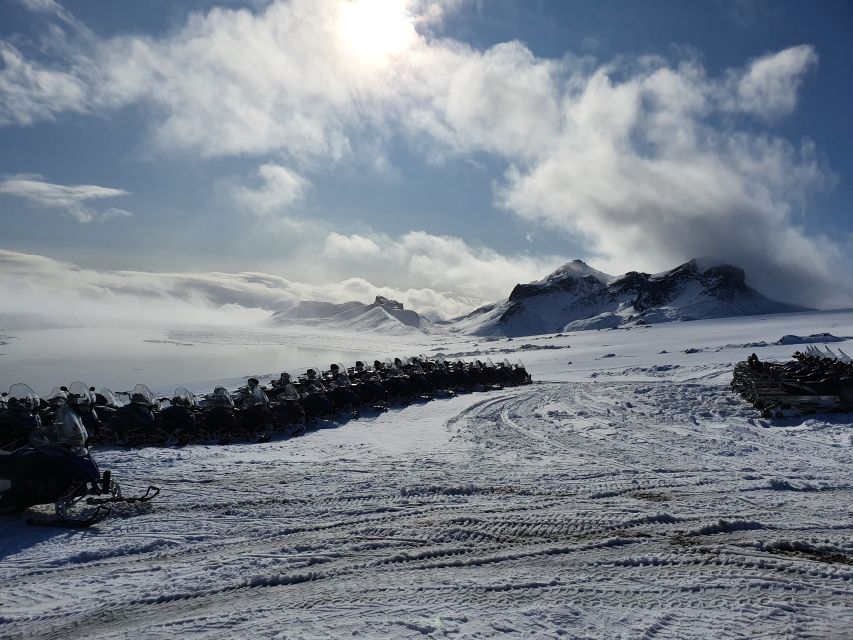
[
  {"x": 382, "y": 316},
  {"x": 576, "y": 297}
]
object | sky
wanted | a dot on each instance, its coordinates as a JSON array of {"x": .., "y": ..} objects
[{"x": 225, "y": 159}]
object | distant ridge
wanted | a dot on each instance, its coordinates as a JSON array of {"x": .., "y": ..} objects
[
  {"x": 577, "y": 297},
  {"x": 382, "y": 316}
]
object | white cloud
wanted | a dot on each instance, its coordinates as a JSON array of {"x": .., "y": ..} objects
[
  {"x": 769, "y": 87},
  {"x": 30, "y": 92},
  {"x": 435, "y": 275},
  {"x": 338, "y": 246},
  {"x": 280, "y": 189},
  {"x": 468, "y": 276},
  {"x": 73, "y": 200}
]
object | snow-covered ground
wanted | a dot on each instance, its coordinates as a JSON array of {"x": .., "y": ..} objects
[{"x": 626, "y": 494}]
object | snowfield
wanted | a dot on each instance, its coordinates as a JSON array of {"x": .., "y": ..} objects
[{"x": 625, "y": 494}]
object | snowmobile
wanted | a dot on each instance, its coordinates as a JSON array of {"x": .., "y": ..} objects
[
  {"x": 218, "y": 419},
  {"x": 134, "y": 423},
  {"x": 286, "y": 407},
  {"x": 106, "y": 405},
  {"x": 368, "y": 387},
  {"x": 57, "y": 468},
  {"x": 82, "y": 398},
  {"x": 312, "y": 395},
  {"x": 813, "y": 383},
  {"x": 520, "y": 375},
  {"x": 439, "y": 377},
  {"x": 461, "y": 378},
  {"x": 178, "y": 420},
  {"x": 396, "y": 382},
  {"x": 21, "y": 417},
  {"x": 340, "y": 392},
  {"x": 418, "y": 382},
  {"x": 254, "y": 417}
]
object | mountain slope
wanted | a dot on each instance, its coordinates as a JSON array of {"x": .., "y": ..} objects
[
  {"x": 382, "y": 316},
  {"x": 576, "y": 297}
]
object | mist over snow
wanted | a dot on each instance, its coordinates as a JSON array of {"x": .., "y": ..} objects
[{"x": 35, "y": 285}]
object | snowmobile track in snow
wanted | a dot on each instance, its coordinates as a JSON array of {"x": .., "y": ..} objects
[{"x": 662, "y": 510}]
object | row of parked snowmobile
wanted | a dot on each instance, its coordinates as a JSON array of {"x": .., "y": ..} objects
[
  {"x": 251, "y": 413},
  {"x": 815, "y": 381},
  {"x": 44, "y": 444}
]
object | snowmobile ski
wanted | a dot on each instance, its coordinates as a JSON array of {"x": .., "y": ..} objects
[
  {"x": 70, "y": 522},
  {"x": 150, "y": 493}
]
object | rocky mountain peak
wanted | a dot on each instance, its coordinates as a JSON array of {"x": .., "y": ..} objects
[{"x": 388, "y": 303}]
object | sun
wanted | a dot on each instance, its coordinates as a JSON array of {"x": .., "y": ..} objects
[{"x": 377, "y": 29}]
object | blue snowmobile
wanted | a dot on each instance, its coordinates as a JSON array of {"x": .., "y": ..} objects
[{"x": 55, "y": 467}]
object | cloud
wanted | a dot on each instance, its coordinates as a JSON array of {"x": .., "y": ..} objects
[
  {"x": 339, "y": 246},
  {"x": 102, "y": 296},
  {"x": 53, "y": 8},
  {"x": 769, "y": 87},
  {"x": 438, "y": 276},
  {"x": 30, "y": 92},
  {"x": 280, "y": 189},
  {"x": 465, "y": 276},
  {"x": 73, "y": 200}
]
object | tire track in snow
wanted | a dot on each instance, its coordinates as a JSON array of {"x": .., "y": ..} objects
[{"x": 552, "y": 505}]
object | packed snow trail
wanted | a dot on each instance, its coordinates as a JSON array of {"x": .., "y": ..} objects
[{"x": 596, "y": 509}]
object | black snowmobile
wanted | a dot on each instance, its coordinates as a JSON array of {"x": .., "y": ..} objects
[
  {"x": 133, "y": 423},
  {"x": 286, "y": 406},
  {"x": 312, "y": 396},
  {"x": 339, "y": 391},
  {"x": 178, "y": 420},
  {"x": 20, "y": 419},
  {"x": 56, "y": 468},
  {"x": 218, "y": 419}
]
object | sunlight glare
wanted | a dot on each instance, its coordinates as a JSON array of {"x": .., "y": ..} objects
[{"x": 376, "y": 29}]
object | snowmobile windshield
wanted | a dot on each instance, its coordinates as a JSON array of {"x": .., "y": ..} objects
[
  {"x": 221, "y": 398},
  {"x": 391, "y": 368},
  {"x": 68, "y": 429},
  {"x": 57, "y": 397},
  {"x": 25, "y": 398},
  {"x": 416, "y": 367},
  {"x": 257, "y": 397},
  {"x": 186, "y": 397},
  {"x": 371, "y": 375},
  {"x": 519, "y": 365},
  {"x": 312, "y": 385},
  {"x": 506, "y": 364},
  {"x": 141, "y": 394},
  {"x": 341, "y": 379},
  {"x": 82, "y": 392},
  {"x": 286, "y": 391},
  {"x": 110, "y": 397}
]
